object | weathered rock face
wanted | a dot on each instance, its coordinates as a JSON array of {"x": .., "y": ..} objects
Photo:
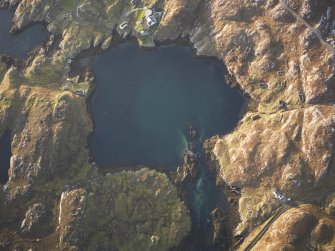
[
  {"x": 71, "y": 218},
  {"x": 330, "y": 205},
  {"x": 48, "y": 127},
  {"x": 300, "y": 228},
  {"x": 291, "y": 152},
  {"x": 125, "y": 211},
  {"x": 35, "y": 220},
  {"x": 256, "y": 40},
  {"x": 296, "y": 149},
  {"x": 284, "y": 141}
]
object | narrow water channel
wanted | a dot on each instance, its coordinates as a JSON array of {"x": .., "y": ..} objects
[
  {"x": 20, "y": 44},
  {"x": 5, "y": 155},
  {"x": 203, "y": 198}
]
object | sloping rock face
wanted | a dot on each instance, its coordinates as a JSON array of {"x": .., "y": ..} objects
[
  {"x": 48, "y": 129},
  {"x": 125, "y": 211},
  {"x": 284, "y": 142},
  {"x": 300, "y": 228},
  {"x": 300, "y": 142},
  {"x": 290, "y": 152},
  {"x": 53, "y": 195},
  {"x": 34, "y": 220}
]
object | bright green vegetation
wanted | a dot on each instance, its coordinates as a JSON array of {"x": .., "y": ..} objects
[{"x": 68, "y": 4}]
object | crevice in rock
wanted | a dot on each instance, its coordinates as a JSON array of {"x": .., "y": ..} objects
[{"x": 5, "y": 155}]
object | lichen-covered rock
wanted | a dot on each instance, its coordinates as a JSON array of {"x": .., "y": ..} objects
[
  {"x": 279, "y": 13},
  {"x": 330, "y": 205},
  {"x": 48, "y": 129},
  {"x": 71, "y": 219},
  {"x": 290, "y": 152},
  {"x": 299, "y": 228},
  {"x": 124, "y": 211},
  {"x": 255, "y": 205},
  {"x": 294, "y": 148},
  {"x": 231, "y": 31},
  {"x": 35, "y": 220},
  {"x": 276, "y": 59}
]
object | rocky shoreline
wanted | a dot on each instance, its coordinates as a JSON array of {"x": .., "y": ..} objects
[{"x": 282, "y": 146}]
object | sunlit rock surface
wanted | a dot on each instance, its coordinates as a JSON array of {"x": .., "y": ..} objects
[
  {"x": 299, "y": 228},
  {"x": 124, "y": 211},
  {"x": 283, "y": 142}
]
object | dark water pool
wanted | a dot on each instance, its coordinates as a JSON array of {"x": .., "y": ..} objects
[
  {"x": 146, "y": 101},
  {"x": 5, "y": 154},
  {"x": 143, "y": 107},
  {"x": 20, "y": 44}
]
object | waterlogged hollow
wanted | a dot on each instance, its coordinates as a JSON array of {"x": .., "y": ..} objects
[
  {"x": 20, "y": 44},
  {"x": 146, "y": 101},
  {"x": 5, "y": 155}
]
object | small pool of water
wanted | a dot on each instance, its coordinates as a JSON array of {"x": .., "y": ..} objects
[
  {"x": 146, "y": 101},
  {"x": 5, "y": 155},
  {"x": 20, "y": 44}
]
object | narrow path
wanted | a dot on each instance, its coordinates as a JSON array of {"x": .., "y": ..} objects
[
  {"x": 315, "y": 31},
  {"x": 281, "y": 211}
]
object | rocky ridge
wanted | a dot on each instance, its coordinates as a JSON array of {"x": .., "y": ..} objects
[{"x": 283, "y": 143}]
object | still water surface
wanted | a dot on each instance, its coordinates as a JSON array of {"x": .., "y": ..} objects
[
  {"x": 146, "y": 101},
  {"x": 20, "y": 44},
  {"x": 143, "y": 107}
]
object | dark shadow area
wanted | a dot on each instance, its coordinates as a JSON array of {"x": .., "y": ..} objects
[
  {"x": 18, "y": 45},
  {"x": 5, "y": 155}
]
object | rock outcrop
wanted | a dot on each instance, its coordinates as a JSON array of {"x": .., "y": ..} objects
[
  {"x": 124, "y": 211},
  {"x": 283, "y": 143},
  {"x": 35, "y": 220},
  {"x": 301, "y": 228}
]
